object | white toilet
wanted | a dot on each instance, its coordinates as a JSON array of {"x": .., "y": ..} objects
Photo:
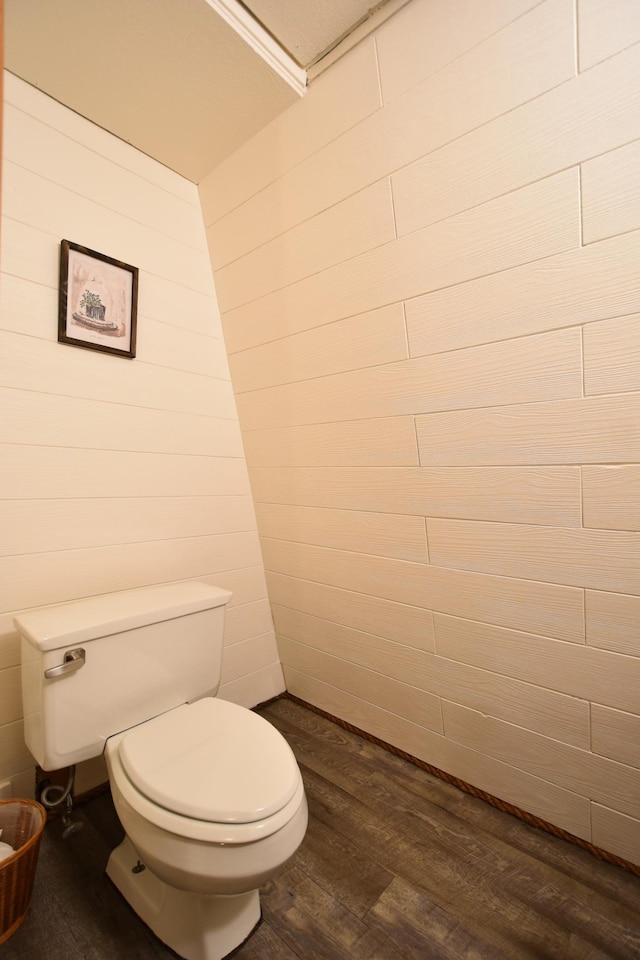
[{"x": 209, "y": 793}]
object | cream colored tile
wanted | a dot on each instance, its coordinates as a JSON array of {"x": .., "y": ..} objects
[
  {"x": 14, "y": 755},
  {"x": 593, "y": 283},
  {"x": 611, "y": 193},
  {"x": 612, "y": 497},
  {"x": 581, "y": 558},
  {"x": 401, "y": 622},
  {"x": 420, "y": 39},
  {"x": 612, "y": 356},
  {"x": 612, "y": 622},
  {"x": 45, "y": 419},
  {"x": 529, "y": 369},
  {"x": 379, "y": 534},
  {"x": 34, "y": 526},
  {"x": 43, "y": 472},
  {"x": 37, "y": 579},
  {"x": 543, "y": 495},
  {"x": 18, "y": 296},
  {"x": 579, "y": 771},
  {"x": 601, "y": 430},
  {"x": 351, "y": 227},
  {"x": 541, "y": 608},
  {"x": 376, "y": 337},
  {"x": 308, "y": 125},
  {"x": 533, "y": 707},
  {"x": 536, "y": 222},
  {"x": 575, "y": 121},
  {"x": 532, "y": 55},
  {"x": 616, "y": 832},
  {"x": 403, "y": 699},
  {"x": 616, "y": 734},
  {"x": 248, "y": 620},
  {"x": 37, "y": 146},
  {"x": 574, "y": 669},
  {"x": 28, "y": 363},
  {"x": 538, "y": 796},
  {"x": 247, "y": 585},
  {"x": 387, "y": 441},
  {"x": 10, "y": 695},
  {"x": 248, "y": 656},
  {"x": 254, "y": 688},
  {"x": 604, "y": 27},
  {"x": 9, "y": 643}
]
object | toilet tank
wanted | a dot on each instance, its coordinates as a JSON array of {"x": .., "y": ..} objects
[{"x": 114, "y": 661}]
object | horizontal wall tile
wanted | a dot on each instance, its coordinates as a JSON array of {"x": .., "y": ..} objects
[
  {"x": 247, "y": 584},
  {"x": 38, "y": 579},
  {"x": 530, "y": 369},
  {"x": 539, "y": 796},
  {"x": 386, "y": 441},
  {"x": 61, "y": 212},
  {"x": 14, "y": 756},
  {"x": 10, "y": 695},
  {"x": 29, "y": 363},
  {"x": 527, "y": 494},
  {"x": 403, "y": 699},
  {"x": 39, "y": 147},
  {"x": 605, "y": 28},
  {"x": 35, "y": 526},
  {"x": 612, "y": 497},
  {"x": 592, "y": 283},
  {"x": 541, "y": 608},
  {"x": 376, "y": 337},
  {"x": 533, "y": 54},
  {"x": 43, "y": 472},
  {"x": 584, "y": 773},
  {"x": 42, "y": 107},
  {"x": 254, "y": 688},
  {"x": 601, "y": 430},
  {"x": 574, "y": 669},
  {"x": 589, "y": 115},
  {"x": 612, "y": 356},
  {"x": 616, "y": 734},
  {"x": 535, "y": 708},
  {"x": 50, "y": 420},
  {"x": 611, "y": 194},
  {"x": 247, "y": 656},
  {"x": 308, "y": 125},
  {"x": 616, "y": 832},
  {"x": 247, "y": 620},
  {"x": 385, "y": 535},
  {"x": 535, "y": 222},
  {"x": 612, "y": 622},
  {"x": 351, "y": 227},
  {"x": 418, "y": 40},
  {"x": 406, "y": 624},
  {"x": 582, "y": 558}
]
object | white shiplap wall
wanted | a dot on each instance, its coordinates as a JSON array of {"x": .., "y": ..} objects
[
  {"x": 428, "y": 277},
  {"x": 115, "y": 473}
]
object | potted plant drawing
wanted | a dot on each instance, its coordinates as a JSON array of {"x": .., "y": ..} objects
[{"x": 92, "y": 305}]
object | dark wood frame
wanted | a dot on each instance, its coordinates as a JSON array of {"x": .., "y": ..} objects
[{"x": 89, "y": 333}]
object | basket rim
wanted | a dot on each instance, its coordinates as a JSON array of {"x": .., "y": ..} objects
[{"x": 34, "y": 839}]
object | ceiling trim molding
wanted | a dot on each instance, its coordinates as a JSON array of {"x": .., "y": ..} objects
[
  {"x": 255, "y": 35},
  {"x": 374, "y": 19}
]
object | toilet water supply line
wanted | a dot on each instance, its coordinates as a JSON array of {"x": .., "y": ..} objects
[{"x": 51, "y": 802}]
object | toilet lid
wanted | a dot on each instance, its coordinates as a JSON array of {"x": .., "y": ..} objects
[{"x": 211, "y": 760}]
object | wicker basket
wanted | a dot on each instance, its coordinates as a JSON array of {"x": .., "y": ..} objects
[{"x": 22, "y": 823}]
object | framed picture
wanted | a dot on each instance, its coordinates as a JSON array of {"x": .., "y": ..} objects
[{"x": 98, "y": 301}]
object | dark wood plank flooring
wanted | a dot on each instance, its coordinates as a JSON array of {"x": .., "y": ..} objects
[{"x": 396, "y": 865}]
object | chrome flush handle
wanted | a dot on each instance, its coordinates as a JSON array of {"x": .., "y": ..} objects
[{"x": 73, "y": 660}]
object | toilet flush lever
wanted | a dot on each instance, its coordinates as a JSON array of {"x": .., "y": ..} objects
[{"x": 73, "y": 660}]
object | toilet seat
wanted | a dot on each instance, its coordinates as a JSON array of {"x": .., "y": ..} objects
[{"x": 210, "y": 771}]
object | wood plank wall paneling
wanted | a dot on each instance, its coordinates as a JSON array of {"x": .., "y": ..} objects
[
  {"x": 441, "y": 425},
  {"x": 116, "y": 473}
]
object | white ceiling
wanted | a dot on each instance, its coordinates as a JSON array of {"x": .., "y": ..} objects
[{"x": 185, "y": 81}]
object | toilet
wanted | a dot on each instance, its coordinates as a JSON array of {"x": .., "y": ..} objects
[{"x": 209, "y": 794}]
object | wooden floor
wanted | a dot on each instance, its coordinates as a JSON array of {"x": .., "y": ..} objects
[{"x": 395, "y": 864}]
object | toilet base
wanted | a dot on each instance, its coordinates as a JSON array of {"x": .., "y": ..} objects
[{"x": 196, "y": 927}]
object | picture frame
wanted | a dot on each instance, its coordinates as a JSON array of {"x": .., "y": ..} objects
[{"x": 98, "y": 299}]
